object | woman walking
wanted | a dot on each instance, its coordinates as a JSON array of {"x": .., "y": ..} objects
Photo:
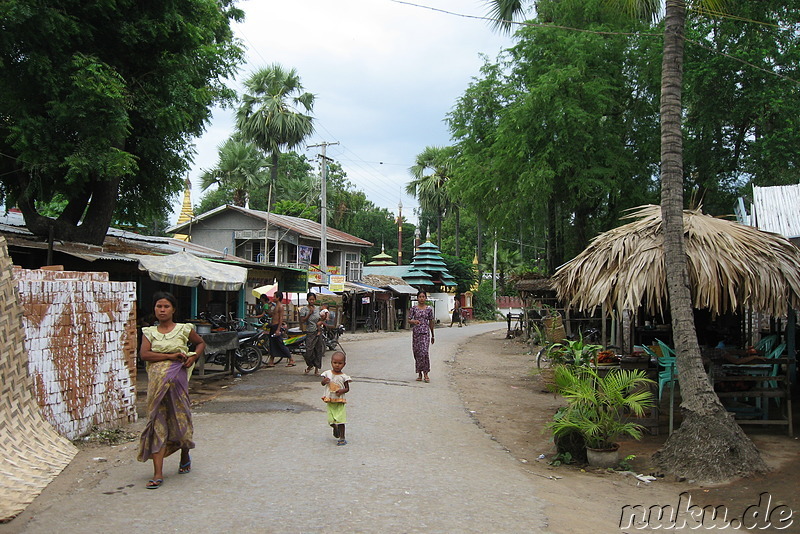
[
  {"x": 314, "y": 323},
  {"x": 169, "y": 363},
  {"x": 421, "y": 318}
]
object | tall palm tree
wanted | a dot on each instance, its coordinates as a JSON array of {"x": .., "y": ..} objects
[
  {"x": 431, "y": 171},
  {"x": 706, "y": 426},
  {"x": 241, "y": 167},
  {"x": 275, "y": 113}
]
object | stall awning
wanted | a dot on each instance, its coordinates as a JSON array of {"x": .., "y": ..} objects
[
  {"x": 356, "y": 287},
  {"x": 186, "y": 269},
  {"x": 403, "y": 290}
]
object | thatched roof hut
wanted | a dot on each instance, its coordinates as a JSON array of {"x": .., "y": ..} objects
[{"x": 731, "y": 266}]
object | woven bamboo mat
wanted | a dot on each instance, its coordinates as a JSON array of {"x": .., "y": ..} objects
[{"x": 32, "y": 454}]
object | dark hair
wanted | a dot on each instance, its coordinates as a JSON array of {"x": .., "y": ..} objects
[
  {"x": 422, "y": 292},
  {"x": 278, "y": 296},
  {"x": 311, "y": 294},
  {"x": 158, "y": 295}
]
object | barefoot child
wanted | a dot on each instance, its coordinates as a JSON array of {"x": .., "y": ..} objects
[{"x": 337, "y": 384}]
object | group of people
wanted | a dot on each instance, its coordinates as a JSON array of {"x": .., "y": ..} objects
[
  {"x": 312, "y": 318},
  {"x": 165, "y": 349}
]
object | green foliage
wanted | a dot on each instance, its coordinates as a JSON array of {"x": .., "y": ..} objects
[
  {"x": 462, "y": 271},
  {"x": 241, "y": 168},
  {"x": 296, "y": 209},
  {"x": 561, "y": 458},
  {"x": 483, "y": 303},
  {"x": 597, "y": 404},
  {"x": 574, "y": 351},
  {"x": 271, "y": 112},
  {"x": 626, "y": 464},
  {"x": 100, "y": 102}
]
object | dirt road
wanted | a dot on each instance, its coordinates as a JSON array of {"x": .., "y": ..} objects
[
  {"x": 460, "y": 454},
  {"x": 266, "y": 461}
]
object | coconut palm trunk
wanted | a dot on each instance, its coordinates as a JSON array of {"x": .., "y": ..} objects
[
  {"x": 694, "y": 450},
  {"x": 709, "y": 445}
]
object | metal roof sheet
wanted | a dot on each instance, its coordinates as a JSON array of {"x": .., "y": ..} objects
[
  {"x": 304, "y": 227},
  {"x": 777, "y": 209}
]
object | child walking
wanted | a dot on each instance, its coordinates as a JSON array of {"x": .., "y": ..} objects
[{"x": 337, "y": 384}]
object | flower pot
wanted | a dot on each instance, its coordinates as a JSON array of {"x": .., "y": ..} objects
[{"x": 603, "y": 457}]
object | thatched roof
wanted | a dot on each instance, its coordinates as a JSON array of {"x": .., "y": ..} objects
[
  {"x": 382, "y": 280},
  {"x": 535, "y": 285},
  {"x": 731, "y": 266}
]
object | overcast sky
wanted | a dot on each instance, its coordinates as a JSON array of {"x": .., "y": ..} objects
[{"x": 384, "y": 74}]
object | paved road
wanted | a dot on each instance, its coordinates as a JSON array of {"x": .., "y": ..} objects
[{"x": 266, "y": 460}]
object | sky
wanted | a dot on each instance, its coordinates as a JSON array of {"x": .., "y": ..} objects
[{"x": 384, "y": 74}]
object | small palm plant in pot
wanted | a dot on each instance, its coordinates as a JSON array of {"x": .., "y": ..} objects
[{"x": 598, "y": 407}]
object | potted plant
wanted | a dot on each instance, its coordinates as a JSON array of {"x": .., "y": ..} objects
[
  {"x": 598, "y": 406},
  {"x": 575, "y": 351}
]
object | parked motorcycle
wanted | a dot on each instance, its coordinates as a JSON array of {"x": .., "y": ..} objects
[
  {"x": 331, "y": 335},
  {"x": 246, "y": 359}
]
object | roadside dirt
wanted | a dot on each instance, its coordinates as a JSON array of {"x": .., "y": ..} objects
[{"x": 495, "y": 380}]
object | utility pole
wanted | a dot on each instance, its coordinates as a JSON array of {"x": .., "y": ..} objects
[
  {"x": 323, "y": 216},
  {"x": 400, "y": 233}
]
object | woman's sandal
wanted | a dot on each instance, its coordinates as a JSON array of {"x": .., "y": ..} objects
[
  {"x": 307, "y": 370},
  {"x": 342, "y": 441},
  {"x": 290, "y": 364},
  {"x": 419, "y": 379},
  {"x": 154, "y": 483},
  {"x": 426, "y": 379},
  {"x": 185, "y": 468}
]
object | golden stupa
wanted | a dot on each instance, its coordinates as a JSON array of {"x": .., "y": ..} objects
[{"x": 186, "y": 211}]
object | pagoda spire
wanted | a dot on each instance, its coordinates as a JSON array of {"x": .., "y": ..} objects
[{"x": 186, "y": 214}]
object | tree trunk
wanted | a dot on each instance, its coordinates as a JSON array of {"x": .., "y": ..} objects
[
  {"x": 458, "y": 220},
  {"x": 709, "y": 445},
  {"x": 98, "y": 215}
]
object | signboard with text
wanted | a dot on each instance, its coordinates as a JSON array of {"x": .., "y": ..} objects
[{"x": 337, "y": 283}]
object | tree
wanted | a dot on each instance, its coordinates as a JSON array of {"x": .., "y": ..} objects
[
  {"x": 99, "y": 102},
  {"x": 431, "y": 171},
  {"x": 707, "y": 428},
  {"x": 241, "y": 168},
  {"x": 270, "y": 113}
]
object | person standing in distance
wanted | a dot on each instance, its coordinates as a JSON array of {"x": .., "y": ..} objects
[
  {"x": 422, "y": 336},
  {"x": 276, "y": 344}
]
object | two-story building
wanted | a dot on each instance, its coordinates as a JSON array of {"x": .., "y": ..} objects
[{"x": 273, "y": 239}]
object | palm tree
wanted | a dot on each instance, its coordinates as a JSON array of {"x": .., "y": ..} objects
[
  {"x": 274, "y": 113},
  {"x": 241, "y": 168},
  {"x": 706, "y": 426},
  {"x": 274, "y": 116},
  {"x": 431, "y": 171}
]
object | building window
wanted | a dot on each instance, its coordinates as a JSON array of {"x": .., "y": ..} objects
[{"x": 250, "y": 249}]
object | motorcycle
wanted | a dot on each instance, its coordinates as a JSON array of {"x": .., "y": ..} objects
[
  {"x": 331, "y": 335},
  {"x": 246, "y": 359}
]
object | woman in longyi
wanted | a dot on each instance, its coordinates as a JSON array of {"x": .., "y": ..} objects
[{"x": 169, "y": 364}]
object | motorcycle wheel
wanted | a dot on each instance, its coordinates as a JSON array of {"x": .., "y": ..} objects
[{"x": 247, "y": 359}]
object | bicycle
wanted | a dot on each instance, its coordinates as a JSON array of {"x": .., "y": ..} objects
[{"x": 372, "y": 323}]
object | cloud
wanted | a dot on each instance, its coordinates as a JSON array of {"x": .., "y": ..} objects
[{"x": 384, "y": 73}]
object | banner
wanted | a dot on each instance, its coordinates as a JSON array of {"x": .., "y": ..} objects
[
  {"x": 337, "y": 283},
  {"x": 304, "y": 254},
  {"x": 317, "y": 278}
]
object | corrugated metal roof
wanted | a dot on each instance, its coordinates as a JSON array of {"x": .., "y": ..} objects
[
  {"x": 403, "y": 289},
  {"x": 119, "y": 245},
  {"x": 304, "y": 227},
  {"x": 777, "y": 209}
]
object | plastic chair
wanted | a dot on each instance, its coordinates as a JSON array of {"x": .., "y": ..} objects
[{"x": 666, "y": 376}]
